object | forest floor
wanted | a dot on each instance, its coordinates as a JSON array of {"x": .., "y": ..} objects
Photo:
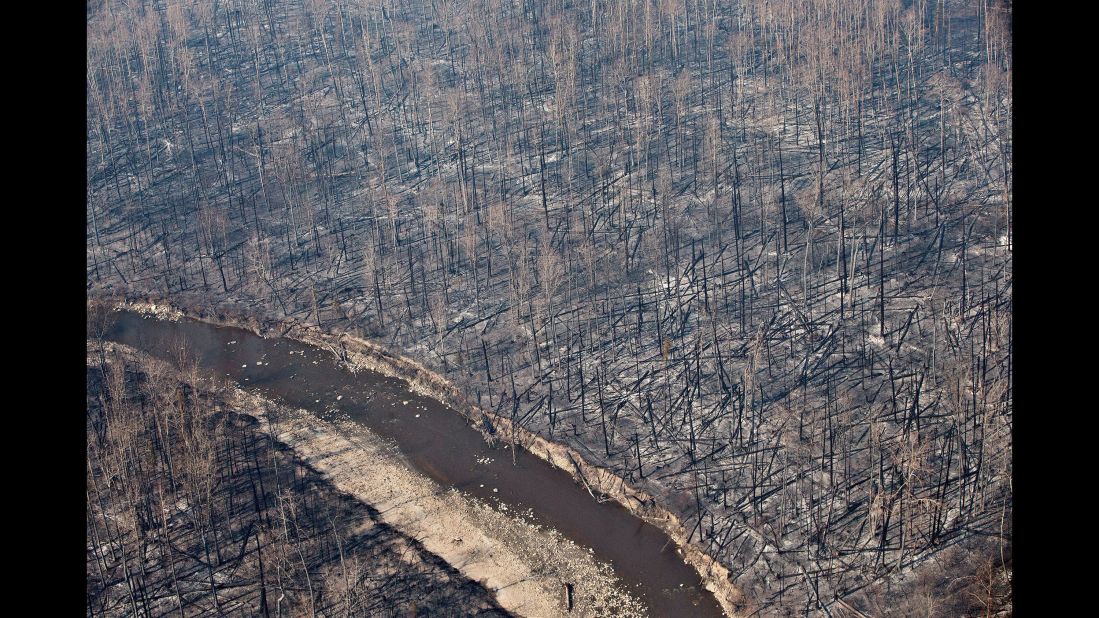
[{"x": 523, "y": 565}]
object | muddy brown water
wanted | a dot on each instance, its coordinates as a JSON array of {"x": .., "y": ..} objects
[{"x": 439, "y": 442}]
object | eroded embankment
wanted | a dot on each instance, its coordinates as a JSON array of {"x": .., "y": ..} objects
[{"x": 358, "y": 353}]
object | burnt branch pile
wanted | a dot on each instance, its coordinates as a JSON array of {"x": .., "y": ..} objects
[{"x": 753, "y": 256}]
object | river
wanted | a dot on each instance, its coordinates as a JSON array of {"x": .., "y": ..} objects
[{"x": 437, "y": 441}]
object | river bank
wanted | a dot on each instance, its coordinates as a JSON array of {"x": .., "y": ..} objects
[{"x": 525, "y": 566}]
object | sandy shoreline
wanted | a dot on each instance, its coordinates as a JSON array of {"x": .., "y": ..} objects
[{"x": 522, "y": 564}]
